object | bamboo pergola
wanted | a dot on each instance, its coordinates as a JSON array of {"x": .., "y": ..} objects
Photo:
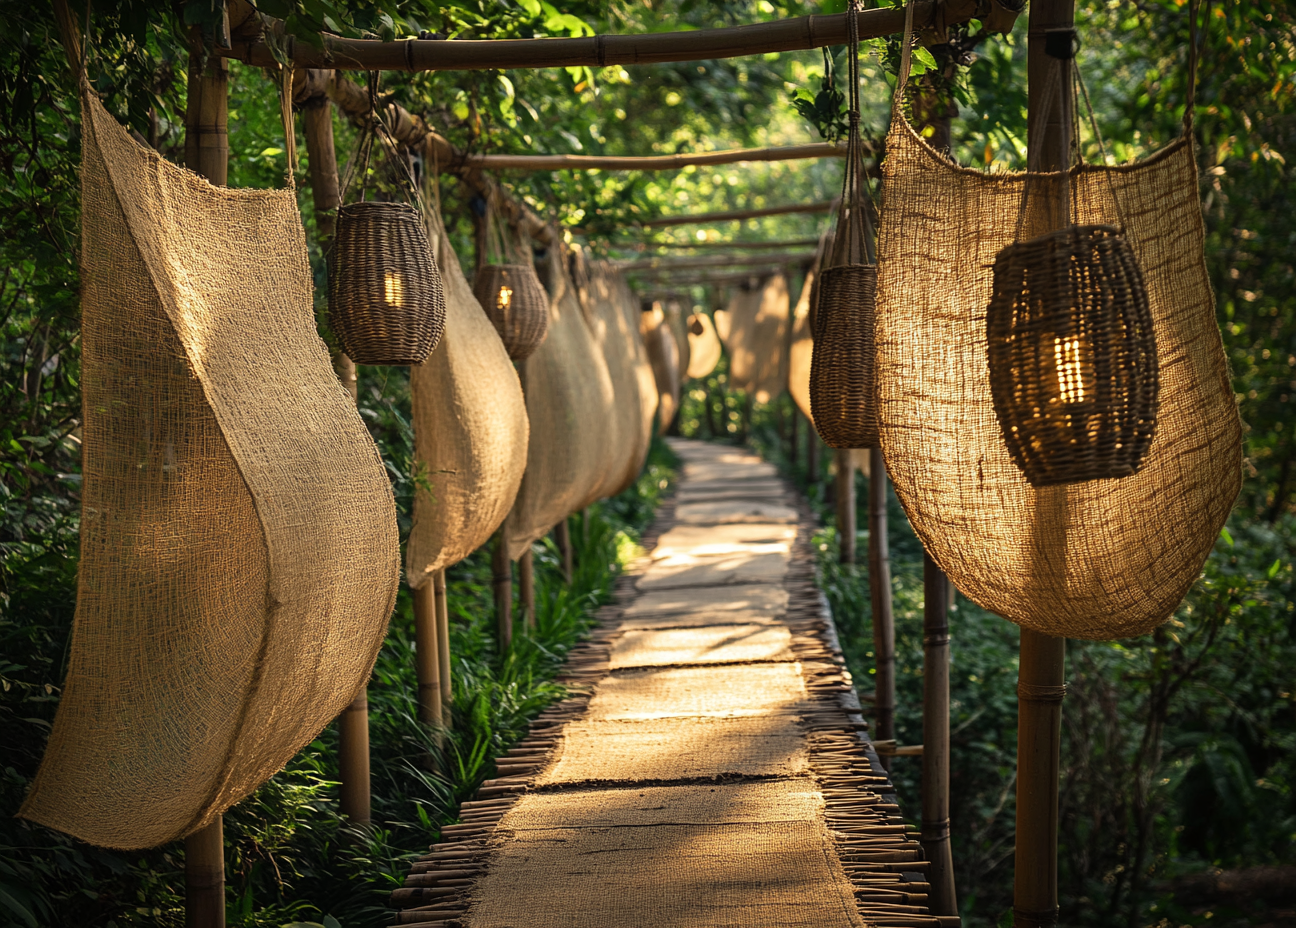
[
  {"x": 750, "y": 246},
  {"x": 737, "y": 215},
  {"x": 655, "y": 162},
  {"x": 671, "y": 264}
]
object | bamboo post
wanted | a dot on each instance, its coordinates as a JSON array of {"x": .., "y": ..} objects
[
  {"x": 669, "y": 265},
  {"x": 502, "y": 579},
  {"x": 427, "y": 658},
  {"x": 443, "y": 640},
  {"x": 206, "y": 153},
  {"x": 737, "y": 215},
  {"x": 846, "y": 529},
  {"x": 1041, "y": 680},
  {"x": 880, "y": 593},
  {"x": 205, "y": 877},
  {"x": 562, "y": 534},
  {"x": 353, "y": 759},
  {"x": 812, "y": 455},
  {"x": 656, "y": 162},
  {"x": 794, "y": 440},
  {"x": 526, "y": 589},
  {"x": 942, "y": 899}
]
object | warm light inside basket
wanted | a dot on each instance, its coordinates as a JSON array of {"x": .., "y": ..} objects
[
  {"x": 1070, "y": 369},
  {"x": 505, "y": 298},
  {"x": 393, "y": 289}
]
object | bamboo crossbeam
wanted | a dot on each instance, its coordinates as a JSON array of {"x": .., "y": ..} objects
[
  {"x": 670, "y": 264},
  {"x": 739, "y": 214},
  {"x": 785, "y": 35},
  {"x": 656, "y": 162},
  {"x": 704, "y": 280},
  {"x": 752, "y": 246}
]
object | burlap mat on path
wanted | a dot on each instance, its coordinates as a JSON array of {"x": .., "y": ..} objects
[
  {"x": 745, "y": 689},
  {"x": 713, "y": 644}
]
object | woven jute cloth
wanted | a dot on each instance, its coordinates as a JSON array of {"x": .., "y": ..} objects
[
  {"x": 664, "y": 359},
  {"x": 239, "y": 552},
  {"x": 677, "y": 314},
  {"x": 1103, "y": 559},
  {"x": 801, "y": 350},
  {"x": 615, "y": 324},
  {"x": 704, "y": 346},
  {"x": 754, "y": 329},
  {"x": 570, "y": 401},
  {"x": 470, "y": 429}
]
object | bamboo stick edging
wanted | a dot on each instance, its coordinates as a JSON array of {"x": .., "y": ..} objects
[
  {"x": 785, "y": 35},
  {"x": 655, "y": 162}
]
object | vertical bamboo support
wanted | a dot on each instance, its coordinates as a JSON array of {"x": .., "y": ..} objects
[
  {"x": 205, "y": 877},
  {"x": 936, "y": 752},
  {"x": 206, "y": 153},
  {"x": 526, "y": 589},
  {"x": 812, "y": 455},
  {"x": 562, "y": 533},
  {"x": 502, "y": 578},
  {"x": 879, "y": 557},
  {"x": 794, "y": 443},
  {"x": 1041, "y": 681},
  {"x": 427, "y": 659},
  {"x": 353, "y": 759},
  {"x": 845, "y": 507},
  {"x": 443, "y": 640}
]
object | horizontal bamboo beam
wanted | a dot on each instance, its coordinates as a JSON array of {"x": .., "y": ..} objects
[
  {"x": 656, "y": 162},
  {"x": 784, "y": 35},
  {"x": 739, "y": 214},
  {"x": 752, "y": 246},
  {"x": 672, "y": 284},
  {"x": 672, "y": 264}
]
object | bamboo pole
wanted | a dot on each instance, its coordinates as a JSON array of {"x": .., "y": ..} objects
[
  {"x": 562, "y": 535},
  {"x": 670, "y": 264},
  {"x": 750, "y": 246},
  {"x": 443, "y": 641},
  {"x": 526, "y": 588},
  {"x": 353, "y": 723},
  {"x": 812, "y": 454},
  {"x": 205, "y": 877},
  {"x": 427, "y": 659},
  {"x": 598, "y": 51},
  {"x": 502, "y": 579},
  {"x": 736, "y": 215},
  {"x": 656, "y": 162},
  {"x": 879, "y": 556},
  {"x": 1041, "y": 680},
  {"x": 942, "y": 899},
  {"x": 846, "y": 528},
  {"x": 206, "y": 153},
  {"x": 708, "y": 279}
]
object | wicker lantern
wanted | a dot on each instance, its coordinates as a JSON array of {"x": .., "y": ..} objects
[
  {"x": 386, "y": 302},
  {"x": 517, "y": 305},
  {"x": 1073, "y": 361},
  {"x": 842, "y": 394}
]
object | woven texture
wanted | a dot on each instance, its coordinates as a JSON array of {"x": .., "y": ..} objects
[
  {"x": 470, "y": 430},
  {"x": 386, "y": 301},
  {"x": 801, "y": 351},
  {"x": 842, "y": 394},
  {"x": 569, "y": 400},
  {"x": 516, "y": 304},
  {"x": 1073, "y": 362},
  {"x": 613, "y": 318},
  {"x": 704, "y": 346},
  {"x": 677, "y": 316},
  {"x": 726, "y": 692},
  {"x": 726, "y": 644},
  {"x": 239, "y": 551},
  {"x": 1103, "y": 559},
  {"x": 756, "y": 336}
]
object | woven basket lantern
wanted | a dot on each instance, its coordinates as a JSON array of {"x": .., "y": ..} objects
[
  {"x": 1073, "y": 362},
  {"x": 517, "y": 305},
  {"x": 842, "y": 391},
  {"x": 386, "y": 301}
]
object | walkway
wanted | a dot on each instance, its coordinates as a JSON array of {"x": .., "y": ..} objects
[{"x": 712, "y": 772}]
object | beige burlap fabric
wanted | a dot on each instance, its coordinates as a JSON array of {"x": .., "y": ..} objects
[
  {"x": 801, "y": 350},
  {"x": 239, "y": 552},
  {"x": 570, "y": 404},
  {"x": 755, "y": 332},
  {"x": 615, "y": 325},
  {"x": 677, "y": 314},
  {"x": 470, "y": 428},
  {"x": 1103, "y": 559},
  {"x": 704, "y": 346},
  {"x": 663, "y": 357}
]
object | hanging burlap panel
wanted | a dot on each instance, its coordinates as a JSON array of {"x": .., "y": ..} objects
[
  {"x": 239, "y": 552},
  {"x": 470, "y": 428},
  {"x": 677, "y": 314},
  {"x": 1102, "y": 559},
  {"x": 617, "y": 337},
  {"x": 569, "y": 400},
  {"x": 663, "y": 356},
  {"x": 755, "y": 332},
  {"x": 648, "y": 398},
  {"x": 802, "y": 348},
  {"x": 704, "y": 346}
]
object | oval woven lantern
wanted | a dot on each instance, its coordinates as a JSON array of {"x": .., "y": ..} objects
[
  {"x": 386, "y": 301},
  {"x": 517, "y": 305},
  {"x": 842, "y": 391},
  {"x": 1073, "y": 361}
]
